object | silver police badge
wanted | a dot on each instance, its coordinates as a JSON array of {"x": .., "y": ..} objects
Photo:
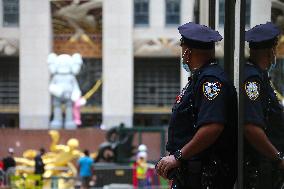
[
  {"x": 211, "y": 89},
  {"x": 252, "y": 89}
]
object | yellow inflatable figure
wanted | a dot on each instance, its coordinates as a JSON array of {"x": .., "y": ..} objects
[
  {"x": 58, "y": 162},
  {"x": 62, "y": 158}
]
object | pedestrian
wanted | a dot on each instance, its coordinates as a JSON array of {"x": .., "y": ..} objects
[
  {"x": 263, "y": 118},
  {"x": 85, "y": 166},
  {"x": 39, "y": 167},
  {"x": 9, "y": 166},
  {"x": 39, "y": 164},
  {"x": 1, "y": 165},
  {"x": 202, "y": 133},
  {"x": 2, "y": 175}
]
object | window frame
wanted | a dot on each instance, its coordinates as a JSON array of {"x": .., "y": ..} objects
[
  {"x": 10, "y": 8},
  {"x": 172, "y": 13},
  {"x": 141, "y": 12},
  {"x": 222, "y": 13}
]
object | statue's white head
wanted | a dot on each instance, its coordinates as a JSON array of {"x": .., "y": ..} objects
[{"x": 64, "y": 63}]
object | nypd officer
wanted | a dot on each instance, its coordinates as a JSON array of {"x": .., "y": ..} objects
[
  {"x": 202, "y": 134},
  {"x": 264, "y": 118}
]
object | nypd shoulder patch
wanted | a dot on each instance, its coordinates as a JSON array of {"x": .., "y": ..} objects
[
  {"x": 252, "y": 89},
  {"x": 211, "y": 89}
]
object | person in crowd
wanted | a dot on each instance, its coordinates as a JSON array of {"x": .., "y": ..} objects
[{"x": 86, "y": 170}]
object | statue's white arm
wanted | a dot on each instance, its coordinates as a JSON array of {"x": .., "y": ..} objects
[{"x": 76, "y": 66}]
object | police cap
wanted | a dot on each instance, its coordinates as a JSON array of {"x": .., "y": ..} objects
[
  {"x": 198, "y": 36},
  {"x": 263, "y": 36}
]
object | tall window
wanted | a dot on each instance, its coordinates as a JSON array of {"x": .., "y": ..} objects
[
  {"x": 156, "y": 82},
  {"x": 222, "y": 12},
  {"x": 10, "y": 12},
  {"x": 141, "y": 12},
  {"x": 172, "y": 12},
  {"x": 248, "y": 8}
]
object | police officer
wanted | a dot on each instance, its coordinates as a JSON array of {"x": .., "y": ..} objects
[
  {"x": 264, "y": 119},
  {"x": 202, "y": 134}
]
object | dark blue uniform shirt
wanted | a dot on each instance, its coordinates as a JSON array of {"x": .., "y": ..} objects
[
  {"x": 207, "y": 98},
  {"x": 262, "y": 107}
]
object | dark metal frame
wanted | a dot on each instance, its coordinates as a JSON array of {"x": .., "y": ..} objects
[
  {"x": 212, "y": 13},
  {"x": 229, "y": 38},
  {"x": 229, "y": 46},
  {"x": 241, "y": 98}
]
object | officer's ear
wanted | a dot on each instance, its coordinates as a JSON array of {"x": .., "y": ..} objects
[{"x": 189, "y": 52}]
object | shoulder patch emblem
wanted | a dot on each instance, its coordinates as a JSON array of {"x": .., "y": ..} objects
[
  {"x": 211, "y": 89},
  {"x": 252, "y": 89}
]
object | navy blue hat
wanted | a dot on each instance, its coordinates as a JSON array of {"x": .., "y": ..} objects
[
  {"x": 263, "y": 36},
  {"x": 199, "y": 36}
]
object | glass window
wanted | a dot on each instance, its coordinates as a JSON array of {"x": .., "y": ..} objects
[
  {"x": 248, "y": 13},
  {"x": 156, "y": 82},
  {"x": 222, "y": 12},
  {"x": 141, "y": 12},
  {"x": 172, "y": 12},
  {"x": 10, "y": 12},
  {"x": 9, "y": 81},
  {"x": 90, "y": 73}
]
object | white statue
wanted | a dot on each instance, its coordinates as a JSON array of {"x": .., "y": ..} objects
[{"x": 64, "y": 87}]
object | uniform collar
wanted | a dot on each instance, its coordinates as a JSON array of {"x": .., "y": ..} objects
[
  {"x": 264, "y": 73},
  {"x": 195, "y": 73},
  {"x": 209, "y": 63}
]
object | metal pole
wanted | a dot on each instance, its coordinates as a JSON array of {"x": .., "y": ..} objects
[
  {"x": 241, "y": 98},
  {"x": 229, "y": 37},
  {"x": 212, "y": 13}
]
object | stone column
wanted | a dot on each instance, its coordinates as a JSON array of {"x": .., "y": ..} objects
[
  {"x": 187, "y": 15},
  {"x": 260, "y": 12},
  {"x": 35, "y": 45},
  {"x": 204, "y": 12},
  {"x": 117, "y": 63}
]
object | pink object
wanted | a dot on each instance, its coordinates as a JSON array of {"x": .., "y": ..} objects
[{"x": 76, "y": 110}]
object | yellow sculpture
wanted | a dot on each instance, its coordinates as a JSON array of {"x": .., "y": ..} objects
[{"x": 58, "y": 162}]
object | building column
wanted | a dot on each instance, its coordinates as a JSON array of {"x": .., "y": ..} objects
[
  {"x": 117, "y": 63},
  {"x": 260, "y": 12},
  {"x": 187, "y": 15},
  {"x": 204, "y": 12},
  {"x": 35, "y": 45}
]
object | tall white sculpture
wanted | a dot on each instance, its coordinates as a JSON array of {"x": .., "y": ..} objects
[{"x": 64, "y": 87}]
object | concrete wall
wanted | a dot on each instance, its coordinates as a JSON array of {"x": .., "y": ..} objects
[
  {"x": 117, "y": 63},
  {"x": 88, "y": 138},
  {"x": 157, "y": 27},
  {"x": 35, "y": 45}
]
